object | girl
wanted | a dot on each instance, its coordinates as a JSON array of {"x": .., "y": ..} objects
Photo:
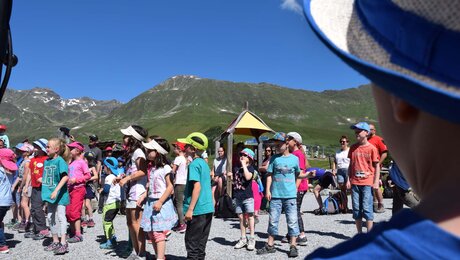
[
  {"x": 90, "y": 159},
  {"x": 78, "y": 175},
  {"x": 159, "y": 214},
  {"x": 7, "y": 167},
  {"x": 24, "y": 170},
  {"x": 135, "y": 181},
  {"x": 179, "y": 169},
  {"x": 54, "y": 191}
]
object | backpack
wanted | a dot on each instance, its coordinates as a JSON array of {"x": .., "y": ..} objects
[
  {"x": 225, "y": 208},
  {"x": 342, "y": 201},
  {"x": 330, "y": 205}
]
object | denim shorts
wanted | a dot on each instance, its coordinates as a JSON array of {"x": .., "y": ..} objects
[
  {"x": 290, "y": 208},
  {"x": 362, "y": 202},
  {"x": 342, "y": 175},
  {"x": 243, "y": 206}
]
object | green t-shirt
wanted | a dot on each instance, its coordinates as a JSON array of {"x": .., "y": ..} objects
[
  {"x": 53, "y": 172},
  {"x": 198, "y": 170}
]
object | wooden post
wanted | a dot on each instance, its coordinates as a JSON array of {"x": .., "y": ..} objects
[
  {"x": 229, "y": 162},
  {"x": 217, "y": 145},
  {"x": 260, "y": 152}
]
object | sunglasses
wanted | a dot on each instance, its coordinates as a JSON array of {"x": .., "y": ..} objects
[
  {"x": 243, "y": 155},
  {"x": 343, "y": 142},
  {"x": 268, "y": 150}
]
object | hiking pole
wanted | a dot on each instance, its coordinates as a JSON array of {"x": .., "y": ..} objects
[{"x": 6, "y": 44}]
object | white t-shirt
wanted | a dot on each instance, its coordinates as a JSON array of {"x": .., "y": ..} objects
[
  {"x": 220, "y": 166},
  {"x": 114, "y": 192},
  {"x": 341, "y": 159},
  {"x": 181, "y": 171},
  {"x": 157, "y": 179},
  {"x": 136, "y": 187}
]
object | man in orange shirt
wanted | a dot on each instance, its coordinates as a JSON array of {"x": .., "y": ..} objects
[
  {"x": 378, "y": 142},
  {"x": 364, "y": 175}
]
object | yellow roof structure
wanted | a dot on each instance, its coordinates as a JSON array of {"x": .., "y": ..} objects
[{"x": 247, "y": 123}]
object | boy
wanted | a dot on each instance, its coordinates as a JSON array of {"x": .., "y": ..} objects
[
  {"x": 282, "y": 194},
  {"x": 198, "y": 205},
  {"x": 112, "y": 203},
  {"x": 364, "y": 174},
  {"x": 179, "y": 169},
  {"x": 243, "y": 197},
  {"x": 416, "y": 89}
]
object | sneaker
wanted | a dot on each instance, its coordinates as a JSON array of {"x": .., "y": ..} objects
[
  {"x": 241, "y": 243},
  {"x": 99, "y": 211},
  {"x": 182, "y": 228},
  {"x": 41, "y": 235},
  {"x": 302, "y": 241},
  {"x": 75, "y": 239},
  {"x": 11, "y": 223},
  {"x": 133, "y": 256},
  {"x": 61, "y": 249},
  {"x": 17, "y": 226},
  {"x": 251, "y": 244},
  {"x": 24, "y": 228},
  {"x": 286, "y": 239},
  {"x": 52, "y": 247},
  {"x": 266, "y": 250},
  {"x": 84, "y": 223},
  {"x": 29, "y": 235},
  {"x": 91, "y": 223},
  {"x": 293, "y": 252},
  {"x": 379, "y": 209},
  {"x": 4, "y": 249},
  {"x": 107, "y": 245}
]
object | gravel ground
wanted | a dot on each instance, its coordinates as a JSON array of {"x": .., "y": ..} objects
[{"x": 321, "y": 231}]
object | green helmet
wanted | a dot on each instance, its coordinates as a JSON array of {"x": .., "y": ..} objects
[{"x": 196, "y": 139}]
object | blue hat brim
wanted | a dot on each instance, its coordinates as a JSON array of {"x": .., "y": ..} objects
[{"x": 426, "y": 97}]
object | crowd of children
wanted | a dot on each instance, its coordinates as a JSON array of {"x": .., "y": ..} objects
[{"x": 59, "y": 180}]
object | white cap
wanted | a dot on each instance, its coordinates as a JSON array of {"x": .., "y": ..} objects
[
  {"x": 296, "y": 136},
  {"x": 130, "y": 131}
]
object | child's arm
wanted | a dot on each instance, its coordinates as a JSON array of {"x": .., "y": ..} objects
[
  {"x": 63, "y": 181},
  {"x": 95, "y": 174},
  {"x": 169, "y": 189},
  {"x": 268, "y": 194},
  {"x": 25, "y": 176},
  {"x": 16, "y": 182},
  {"x": 27, "y": 179},
  {"x": 247, "y": 174},
  {"x": 141, "y": 172},
  {"x": 376, "y": 175},
  {"x": 195, "y": 193}
]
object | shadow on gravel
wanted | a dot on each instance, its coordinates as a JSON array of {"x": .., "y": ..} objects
[
  {"x": 47, "y": 241},
  {"x": 346, "y": 222},
  {"x": 100, "y": 239},
  {"x": 12, "y": 243},
  {"x": 331, "y": 234},
  {"x": 223, "y": 241},
  {"x": 9, "y": 236},
  {"x": 175, "y": 257}
]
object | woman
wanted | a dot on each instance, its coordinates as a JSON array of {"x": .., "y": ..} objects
[
  {"x": 263, "y": 174},
  {"x": 341, "y": 163},
  {"x": 218, "y": 171}
]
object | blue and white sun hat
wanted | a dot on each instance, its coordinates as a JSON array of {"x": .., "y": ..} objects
[{"x": 410, "y": 48}]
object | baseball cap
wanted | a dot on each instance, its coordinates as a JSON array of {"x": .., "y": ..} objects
[
  {"x": 2, "y": 127},
  {"x": 93, "y": 138},
  {"x": 296, "y": 136},
  {"x": 41, "y": 143},
  {"x": 112, "y": 164},
  {"x": 77, "y": 145},
  {"x": 361, "y": 125},
  {"x": 196, "y": 139},
  {"x": 7, "y": 159},
  {"x": 279, "y": 136},
  {"x": 180, "y": 145},
  {"x": 26, "y": 147},
  {"x": 249, "y": 153},
  {"x": 108, "y": 148}
]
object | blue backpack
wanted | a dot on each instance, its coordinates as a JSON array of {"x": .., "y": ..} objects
[{"x": 330, "y": 205}]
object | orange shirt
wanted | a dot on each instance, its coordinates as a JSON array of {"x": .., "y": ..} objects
[
  {"x": 378, "y": 142},
  {"x": 362, "y": 158}
]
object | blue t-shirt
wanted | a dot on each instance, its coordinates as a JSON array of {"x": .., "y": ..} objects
[
  {"x": 53, "y": 172},
  {"x": 5, "y": 188},
  {"x": 284, "y": 170},
  {"x": 198, "y": 170},
  {"x": 406, "y": 236}
]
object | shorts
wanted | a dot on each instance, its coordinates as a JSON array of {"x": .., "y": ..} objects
[
  {"x": 73, "y": 210},
  {"x": 362, "y": 201},
  {"x": 16, "y": 197},
  {"x": 243, "y": 206},
  {"x": 28, "y": 193},
  {"x": 326, "y": 180},
  {"x": 131, "y": 204},
  {"x": 89, "y": 193},
  {"x": 342, "y": 175},
  {"x": 290, "y": 208}
]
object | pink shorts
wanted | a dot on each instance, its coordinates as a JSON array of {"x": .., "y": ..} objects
[
  {"x": 157, "y": 236},
  {"x": 73, "y": 210}
]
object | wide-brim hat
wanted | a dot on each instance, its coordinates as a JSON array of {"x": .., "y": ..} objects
[
  {"x": 407, "y": 47},
  {"x": 7, "y": 159},
  {"x": 77, "y": 145},
  {"x": 41, "y": 143}
]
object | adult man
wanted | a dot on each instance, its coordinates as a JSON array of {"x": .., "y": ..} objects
[
  {"x": 92, "y": 147},
  {"x": 378, "y": 142}
]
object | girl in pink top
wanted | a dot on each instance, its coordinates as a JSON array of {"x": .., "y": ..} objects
[{"x": 78, "y": 175}]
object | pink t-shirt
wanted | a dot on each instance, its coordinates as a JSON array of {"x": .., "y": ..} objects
[
  {"x": 304, "y": 183},
  {"x": 79, "y": 170}
]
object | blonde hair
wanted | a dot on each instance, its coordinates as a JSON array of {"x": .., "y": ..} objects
[{"x": 64, "y": 150}]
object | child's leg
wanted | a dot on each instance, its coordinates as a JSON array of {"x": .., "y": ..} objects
[
  {"x": 251, "y": 225},
  {"x": 274, "y": 217},
  {"x": 179, "y": 202},
  {"x": 25, "y": 208},
  {"x": 137, "y": 237},
  {"x": 62, "y": 228},
  {"x": 316, "y": 192},
  {"x": 3, "y": 211},
  {"x": 368, "y": 211},
  {"x": 110, "y": 211},
  {"x": 89, "y": 207},
  {"x": 159, "y": 244},
  {"x": 290, "y": 207},
  {"x": 242, "y": 226},
  {"x": 300, "y": 196},
  {"x": 54, "y": 221},
  {"x": 356, "y": 199},
  {"x": 359, "y": 225}
]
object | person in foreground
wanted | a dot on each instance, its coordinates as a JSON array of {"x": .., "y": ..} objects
[{"x": 409, "y": 50}]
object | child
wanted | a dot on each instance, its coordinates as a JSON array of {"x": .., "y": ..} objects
[
  {"x": 243, "y": 198},
  {"x": 198, "y": 205},
  {"x": 78, "y": 175},
  {"x": 136, "y": 181},
  {"x": 112, "y": 204},
  {"x": 364, "y": 174},
  {"x": 282, "y": 194},
  {"x": 4, "y": 137},
  {"x": 36, "y": 166},
  {"x": 179, "y": 170},
  {"x": 54, "y": 191},
  {"x": 159, "y": 215},
  {"x": 7, "y": 167},
  {"x": 87, "y": 219},
  {"x": 23, "y": 171}
]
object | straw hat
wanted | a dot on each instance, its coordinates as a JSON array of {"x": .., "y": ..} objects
[{"x": 408, "y": 47}]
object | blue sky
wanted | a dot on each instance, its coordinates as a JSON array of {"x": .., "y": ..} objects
[{"x": 114, "y": 49}]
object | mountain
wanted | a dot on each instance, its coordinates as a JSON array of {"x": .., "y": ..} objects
[
  {"x": 183, "y": 104},
  {"x": 40, "y": 111}
]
